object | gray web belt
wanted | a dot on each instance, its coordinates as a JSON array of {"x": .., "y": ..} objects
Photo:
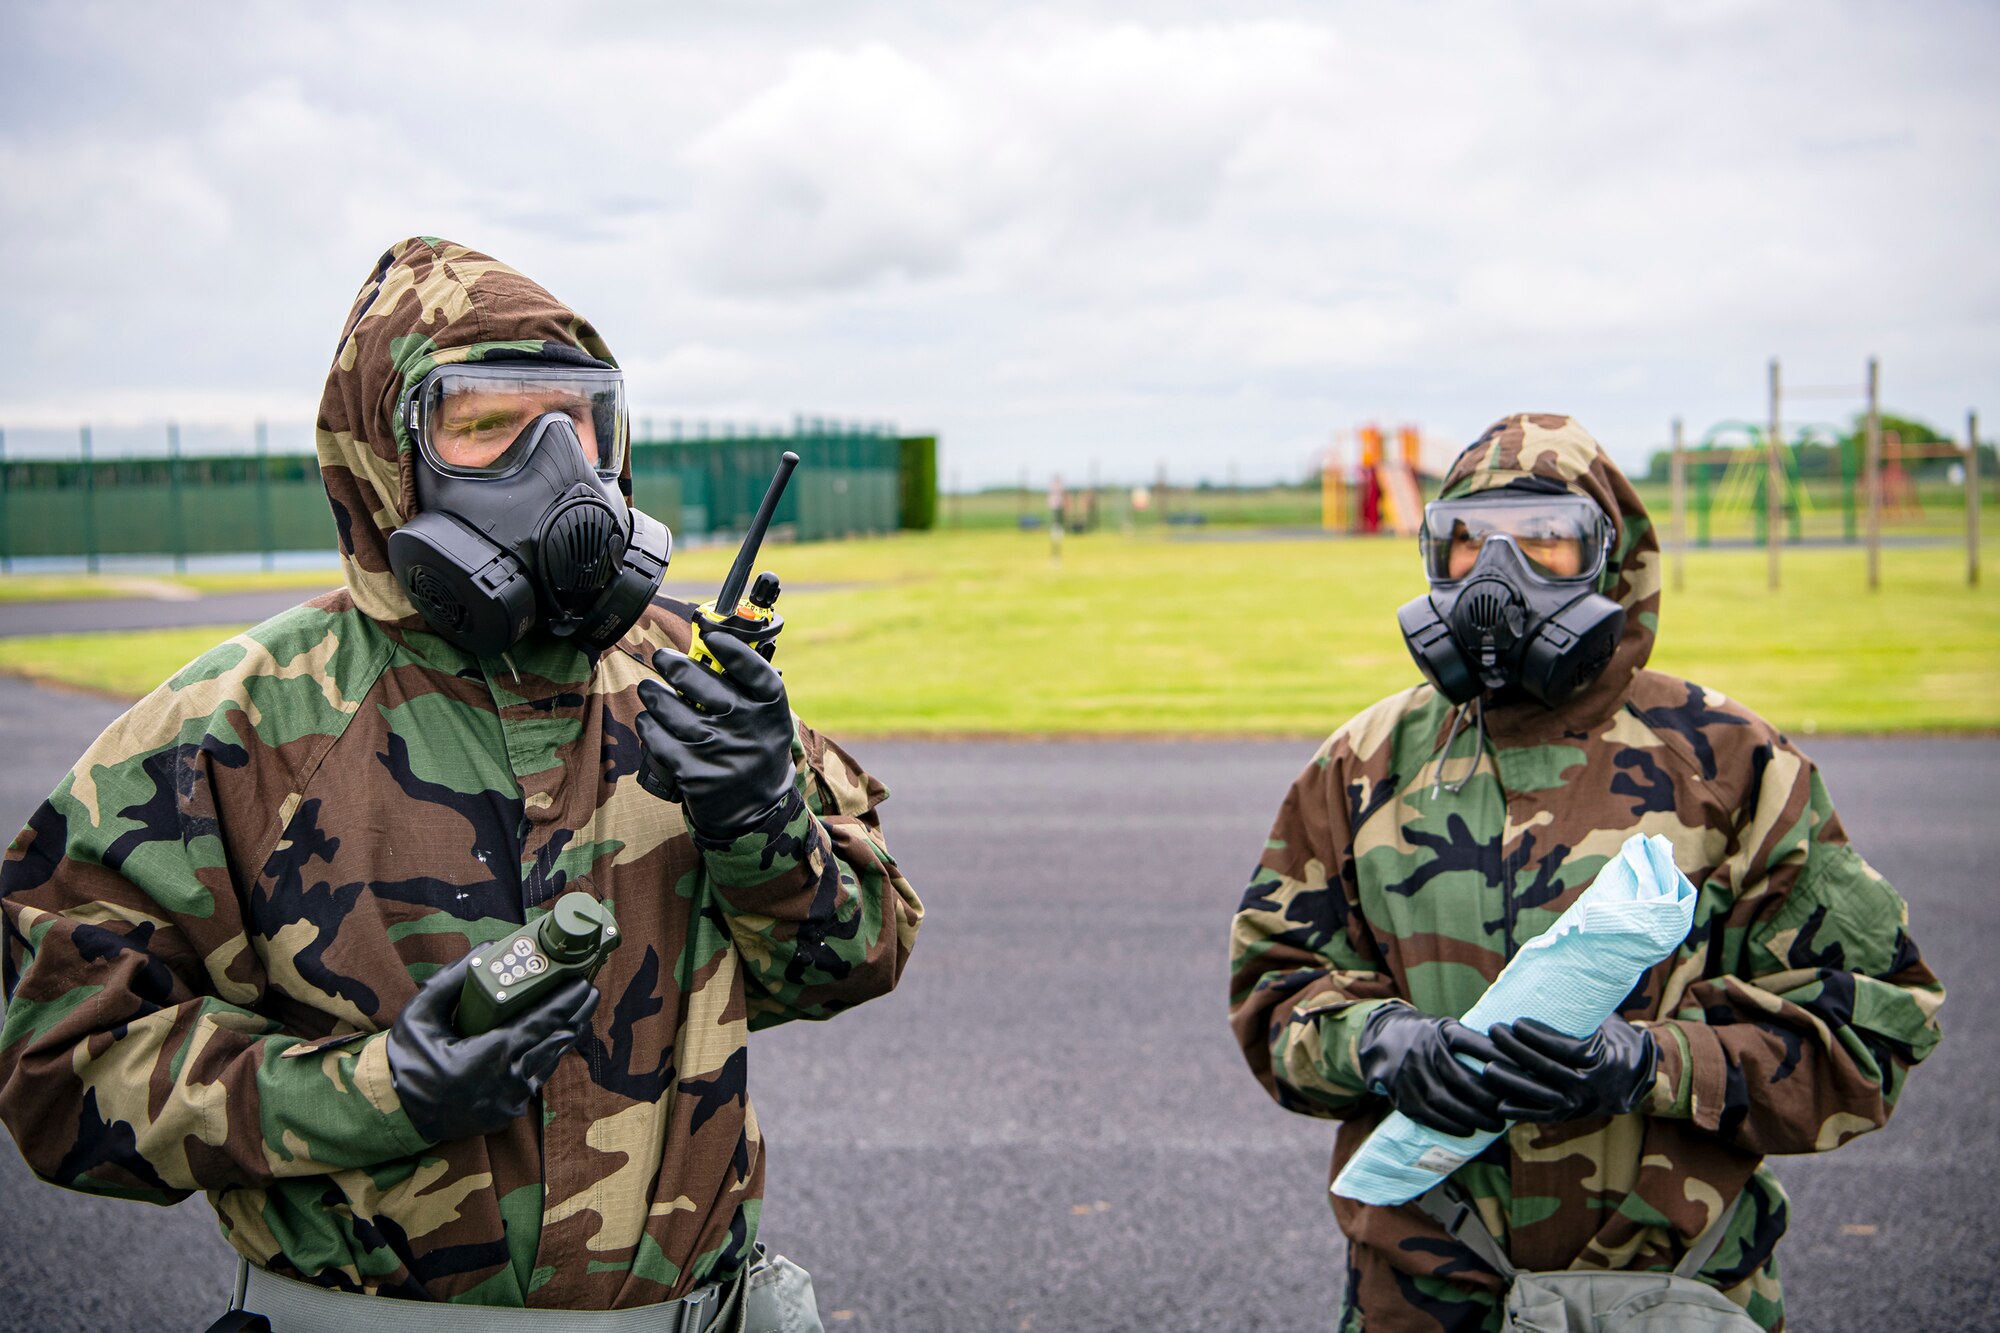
[{"x": 299, "y": 1307}]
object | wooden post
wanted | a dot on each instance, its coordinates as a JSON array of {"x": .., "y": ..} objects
[
  {"x": 1871, "y": 474},
  {"x": 1678, "y": 471},
  {"x": 1972, "y": 499},
  {"x": 1332, "y": 499},
  {"x": 1774, "y": 486}
]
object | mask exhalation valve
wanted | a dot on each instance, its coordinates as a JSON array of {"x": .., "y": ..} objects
[{"x": 580, "y": 548}]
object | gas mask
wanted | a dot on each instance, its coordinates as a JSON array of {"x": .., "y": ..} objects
[
  {"x": 521, "y": 521},
  {"x": 1513, "y": 600}
]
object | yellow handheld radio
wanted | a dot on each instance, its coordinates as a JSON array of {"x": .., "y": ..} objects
[{"x": 751, "y": 619}]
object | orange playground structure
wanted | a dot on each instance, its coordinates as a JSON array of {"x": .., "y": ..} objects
[{"x": 1381, "y": 494}]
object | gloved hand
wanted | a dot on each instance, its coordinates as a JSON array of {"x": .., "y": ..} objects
[
  {"x": 1409, "y": 1057},
  {"x": 727, "y": 740},
  {"x": 1544, "y": 1075},
  {"x": 457, "y": 1087}
]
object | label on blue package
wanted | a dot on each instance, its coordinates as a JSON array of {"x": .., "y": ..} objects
[
  {"x": 1440, "y": 1161},
  {"x": 1572, "y": 976}
]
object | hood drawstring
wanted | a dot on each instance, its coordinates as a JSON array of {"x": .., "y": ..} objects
[{"x": 1478, "y": 709}]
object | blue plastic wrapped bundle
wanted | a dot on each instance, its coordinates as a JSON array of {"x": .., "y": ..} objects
[{"x": 1572, "y": 977}]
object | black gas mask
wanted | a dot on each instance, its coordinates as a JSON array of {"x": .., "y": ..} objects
[
  {"x": 1513, "y": 601},
  {"x": 521, "y": 521}
]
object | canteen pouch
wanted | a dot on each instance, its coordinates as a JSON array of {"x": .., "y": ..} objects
[
  {"x": 1588, "y": 1302},
  {"x": 778, "y": 1297},
  {"x": 1585, "y": 1300}
]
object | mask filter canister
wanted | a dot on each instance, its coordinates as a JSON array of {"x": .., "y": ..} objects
[{"x": 549, "y": 543}]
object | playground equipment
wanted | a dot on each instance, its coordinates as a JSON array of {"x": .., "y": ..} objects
[
  {"x": 1731, "y": 472},
  {"x": 1740, "y": 466},
  {"x": 1900, "y": 498},
  {"x": 1386, "y": 492}
]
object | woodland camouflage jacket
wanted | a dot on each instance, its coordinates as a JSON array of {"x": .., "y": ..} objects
[
  {"x": 216, "y": 917},
  {"x": 1787, "y": 1022}
]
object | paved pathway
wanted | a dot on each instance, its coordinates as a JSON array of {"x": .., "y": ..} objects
[
  {"x": 1048, "y": 1127},
  {"x": 85, "y": 616}
]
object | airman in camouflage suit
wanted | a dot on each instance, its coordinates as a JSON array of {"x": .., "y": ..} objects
[
  {"x": 1787, "y": 1023},
  {"x": 216, "y": 918}
]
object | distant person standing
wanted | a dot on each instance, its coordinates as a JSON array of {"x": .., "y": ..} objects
[
  {"x": 1442, "y": 828},
  {"x": 1058, "y": 515}
]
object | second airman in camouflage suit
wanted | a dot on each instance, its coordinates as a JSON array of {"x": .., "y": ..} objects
[{"x": 1788, "y": 1022}]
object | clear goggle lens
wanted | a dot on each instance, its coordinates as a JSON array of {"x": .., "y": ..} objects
[
  {"x": 472, "y": 420},
  {"x": 1564, "y": 537}
]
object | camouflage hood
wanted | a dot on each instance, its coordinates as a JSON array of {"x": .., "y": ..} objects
[
  {"x": 1555, "y": 448},
  {"x": 427, "y": 303}
]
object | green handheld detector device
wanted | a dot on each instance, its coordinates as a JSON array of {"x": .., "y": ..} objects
[
  {"x": 517, "y": 972},
  {"x": 751, "y": 619}
]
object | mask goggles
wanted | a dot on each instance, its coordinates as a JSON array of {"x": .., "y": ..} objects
[
  {"x": 1513, "y": 602},
  {"x": 1561, "y": 538},
  {"x": 471, "y": 419}
]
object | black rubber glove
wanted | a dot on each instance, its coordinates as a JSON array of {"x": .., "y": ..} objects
[
  {"x": 726, "y": 739},
  {"x": 457, "y": 1087},
  {"x": 1410, "y": 1057},
  {"x": 1545, "y": 1076}
]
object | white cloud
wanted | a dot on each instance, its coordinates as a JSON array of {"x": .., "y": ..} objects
[
  {"x": 1220, "y": 233},
  {"x": 849, "y": 170}
]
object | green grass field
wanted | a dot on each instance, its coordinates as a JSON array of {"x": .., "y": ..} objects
[{"x": 982, "y": 633}]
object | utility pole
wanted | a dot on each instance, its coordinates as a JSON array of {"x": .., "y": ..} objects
[
  {"x": 1677, "y": 470},
  {"x": 1774, "y": 483},
  {"x": 1871, "y": 474}
]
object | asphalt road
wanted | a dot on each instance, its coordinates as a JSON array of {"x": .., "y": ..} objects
[
  {"x": 87, "y": 616},
  {"x": 1048, "y": 1127}
]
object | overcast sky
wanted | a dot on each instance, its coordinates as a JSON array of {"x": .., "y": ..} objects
[{"x": 1206, "y": 234}]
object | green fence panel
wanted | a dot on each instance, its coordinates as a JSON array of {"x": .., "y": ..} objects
[
  {"x": 920, "y": 482},
  {"x": 658, "y": 492},
  {"x": 849, "y": 482},
  {"x": 138, "y": 518},
  {"x": 846, "y": 483},
  {"x": 46, "y": 522}
]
